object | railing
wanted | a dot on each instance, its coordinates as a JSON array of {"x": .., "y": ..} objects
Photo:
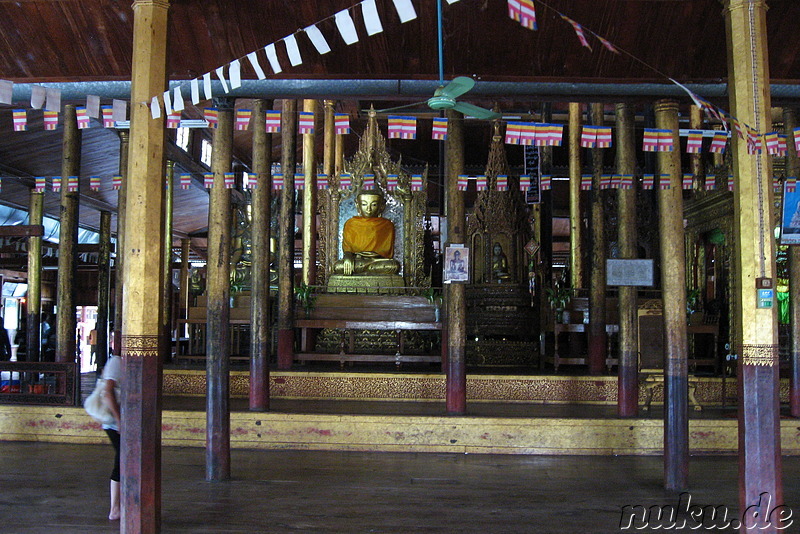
[{"x": 47, "y": 383}]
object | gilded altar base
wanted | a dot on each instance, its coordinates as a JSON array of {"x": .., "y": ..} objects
[{"x": 376, "y": 283}]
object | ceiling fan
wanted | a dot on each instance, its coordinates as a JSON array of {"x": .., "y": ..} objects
[{"x": 446, "y": 95}]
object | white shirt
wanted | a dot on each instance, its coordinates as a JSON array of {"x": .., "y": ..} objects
[{"x": 113, "y": 371}]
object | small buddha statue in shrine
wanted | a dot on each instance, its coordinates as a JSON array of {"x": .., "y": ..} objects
[
  {"x": 499, "y": 264},
  {"x": 368, "y": 239}
]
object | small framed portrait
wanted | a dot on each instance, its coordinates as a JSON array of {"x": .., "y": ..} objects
[
  {"x": 456, "y": 264},
  {"x": 790, "y": 215}
]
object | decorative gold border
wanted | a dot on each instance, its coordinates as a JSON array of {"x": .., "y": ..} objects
[
  {"x": 140, "y": 346},
  {"x": 765, "y": 355}
]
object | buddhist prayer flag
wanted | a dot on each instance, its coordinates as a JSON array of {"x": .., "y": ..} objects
[
  {"x": 299, "y": 182},
  {"x": 208, "y": 180},
  {"x": 395, "y": 127},
  {"x": 108, "y": 116},
  {"x": 776, "y": 184},
  {"x": 462, "y": 183},
  {"x": 243, "y": 118},
  {"x": 754, "y": 144},
  {"x": 502, "y": 183},
  {"x": 718, "y": 142},
  {"x": 607, "y": 44},
  {"x": 345, "y": 180},
  {"x": 586, "y": 182},
  {"x": 256, "y": 67},
  {"x": 616, "y": 180},
  {"x": 603, "y": 137},
  {"x": 711, "y": 183},
  {"x": 116, "y": 182},
  {"x": 94, "y": 183},
  {"x": 369, "y": 181},
  {"x": 524, "y": 183},
  {"x": 186, "y": 180},
  {"x": 771, "y": 141},
  {"x": 20, "y": 120},
  {"x": 293, "y": 51},
  {"x": 41, "y": 184},
  {"x": 663, "y": 181},
  {"x": 212, "y": 117},
  {"x": 481, "y": 183},
  {"x": 272, "y": 57},
  {"x": 346, "y": 27},
  {"x": 694, "y": 142},
  {"x": 372, "y": 21},
  {"x": 322, "y": 181},
  {"x": 83, "y": 117},
  {"x": 605, "y": 181},
  {"x": 782, "y": 148},
  {"x": 277, "y": 181},
  {"x": 273, "y": 121},
  {"x": 796, "y": 133},
  {"x": 589, "y": 137},
  {"x": 317, "y": 39},
  {"x": 650, "y": 143},
  {"x": 391, "y": 181},
  {"x": 50, "y": 120},
  {"x": 523, "y": 11},
  {"x": 249, "y": 180},
  {"x": 730, "y": 182},
  {"x": 687, "y": 181},
  {"x": 416, "y": 182},
  {"x": 305, "y": 122},
  {"x": 439, "y": 129},
  {"x": 666, "y": 143},
  {"x": 791, "y": 185},
  {"x": 648, "y": 180},
  {"x": 550, "y": 134},
  {"x": 545, "y": 182},
  {"x": 578, "y": 31},
  {"x": 513, "y": 131},
  {"x": 626, "y": 181},
  {"x": 174, "y": 119},
  {"x": 527, "y": 134},
  {"x": 405, "y": 10},
  {"x": 72, "y": 184},
  {"x": 409, "y": 128},
  {"x": 56, "y": 184},
  {"x": 342, "y": 123}
]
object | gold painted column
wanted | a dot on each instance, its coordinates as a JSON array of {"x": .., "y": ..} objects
[
  {"x": 331, "y": 229},
  {"x": 456, "y": 383},
  {"x": 286, "y": 223},
  {"x": 673, "y": 286},
  {"x": 142, "y": 306},
  {"x": 576, "y": 271},
  {"x": 756, "y": 339},
  {"x": 103, "y": 289},
  {"x": 792, "y": 170},
  {"x": 597, "y": 337},
  {"x": 183, "y": 312},
  {"x": 696, "y": 160},
  {"x": 218, "y": 291},
  {"x": 628, "y": 368},
  {"x": 260, "y": 334},
  {"x": 166, "y": 286},
  {"x": 66, "y": 322},
  {"x": 120, "y": 245},
  {"x": 33, "y": 335},
  {"x": 310, "y": 198}
]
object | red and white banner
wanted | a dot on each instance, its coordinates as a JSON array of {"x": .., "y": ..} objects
[
  {"x": 648, "y": 180},
  {"x": 392, "y": 181},
  {"x": 20, "y": 120},
  {"x": 94, "y": 183},
  {"x": 208, "y": 180},
  {"x": 243, "y": 118},
  {"x": 439, "y": 129},
  {"x": 416, "y": 182},
  {"x": 273, "y": 121},
  {"x": 694, "y": 142},
  {"x": 718, "y": 142},
  {"x": 462, "y": 183},
  {"x": 116, "y": 182},
  {"x": 83, "y": 117},
  {"x": 586, "y": 182},
  {"x": 545, "y": 182},
  {"x": 50, "y": 120},
  {"x": 342, "y": 123},
  {"x": 185, "y": 180},
  {"x": 322, "y": 181},
  {"x": 277, "y": 181},
  {"x": 305, "y": 122},
  {"x": 212, "y": 117},
  {"x": 688, "y": 180}
]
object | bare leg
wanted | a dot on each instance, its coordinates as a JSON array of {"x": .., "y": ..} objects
[{"x": 113, "y": 514}]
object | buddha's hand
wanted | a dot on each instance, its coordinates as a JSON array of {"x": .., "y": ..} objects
[{"x": 347, "y": 266}]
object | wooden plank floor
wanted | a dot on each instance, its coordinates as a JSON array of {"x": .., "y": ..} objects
[{"x": 64, "y": 488}]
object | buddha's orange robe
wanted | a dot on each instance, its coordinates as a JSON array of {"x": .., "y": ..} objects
[{"x": 369, "y": 234}]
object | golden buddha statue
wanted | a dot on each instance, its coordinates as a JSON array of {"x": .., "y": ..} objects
[
  {"x": 368, "y": 240},
  {"x": 499, "y": 264}
]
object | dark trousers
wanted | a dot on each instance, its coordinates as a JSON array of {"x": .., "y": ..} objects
[{"x": 113, "y": 435}]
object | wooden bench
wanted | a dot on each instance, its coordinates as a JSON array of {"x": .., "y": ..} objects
[{"x": 351, "y": 313}]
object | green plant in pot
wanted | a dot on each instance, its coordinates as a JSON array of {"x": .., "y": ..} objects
[
  {"x": 694, "y": 313},
  {"x": 305, "y": 295},
  {"x": 558, "y": 297},
  {"x": 236, "y": 286},
  {"x": 434, "y": 296}
]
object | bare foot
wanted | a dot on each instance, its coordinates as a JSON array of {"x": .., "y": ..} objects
[{"x": 113, "y": 515}]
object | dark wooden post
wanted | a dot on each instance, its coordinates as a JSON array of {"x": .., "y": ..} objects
[
  {"x": 33, "y": 335},
  {"x": 218, "y": 424},
  {"x": 310, "y": 197},
  {"x": 628, "y": 382},
  {"x": 142, "y": 307},
  {"x": 166, "y": 285},
  {"x": 286, "y": 225},
  {"x": 792, "y": 169},
  {"x": 260, "y": 334},
  {"x": 754, "y": 260},
  {"x": 119, "y": 255},
  {"x": 103, "y": 288},
  {"x": 68, "y": 240},
  {"x": 673, "y": 286},
  {"x": 596, "y": 337},
  {"x": 456, "y": 292}
]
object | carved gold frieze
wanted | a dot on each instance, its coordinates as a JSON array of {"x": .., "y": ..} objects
[{"x": 764, "y": 355}]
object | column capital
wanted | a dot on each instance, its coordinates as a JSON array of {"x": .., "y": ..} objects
[
  {"x": 666, "y": 105},
  {"x": 730, "y": 5},
  {"x": 164, "y": 4}
]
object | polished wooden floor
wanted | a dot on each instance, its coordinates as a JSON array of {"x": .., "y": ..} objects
[{"x": 63, "y": 488}]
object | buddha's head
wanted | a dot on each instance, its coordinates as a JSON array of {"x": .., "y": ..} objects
[
  {"x": 498, "y": 249},
  {"x": 370, "y": 203}
]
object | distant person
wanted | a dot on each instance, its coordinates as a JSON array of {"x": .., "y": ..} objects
[
  {"x": 92, "y": 346},
  {"x": 5, "y": 343},
  {"x": 48, "y": 338}
]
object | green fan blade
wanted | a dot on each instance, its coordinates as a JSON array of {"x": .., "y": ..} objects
[
  {"x": 475, "y": 111},
  {"x": 457, "y": 87}
]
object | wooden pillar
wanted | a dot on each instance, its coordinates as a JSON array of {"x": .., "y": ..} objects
[
  {"x": 310, "y": 198},
  {"x": 576, "y": 252},
  {"x": 183, "y": 304},
  {"x": 628, "y": 368},
  {"x": 330, "y": 139},
  {"x": 218, "y": 291},
  {"x": 142, "y": 306},
  {"x": 792, "y": 169},
  {"x": 68, "y": 240},
  {"x": 286, "y": 236},
  {"x": 696, "y": 160},
  {"x": 120, "y": 248},
  {"x": 103, "y": 288},
  {"x": 33, "y": 335},
  {"x": 756, "y": 339},
  {"x": 456, "y": 389},
  {"x": 597, "y": 337},
  {"x": 673, "y": 286},
  {"x": 166, "y": 286},
  {"x": 260, "y": 334}
]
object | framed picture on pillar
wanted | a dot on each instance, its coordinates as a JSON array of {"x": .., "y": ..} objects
[
  {"x": 790, "y": 215},
  {"x": 456, "y": 264}
]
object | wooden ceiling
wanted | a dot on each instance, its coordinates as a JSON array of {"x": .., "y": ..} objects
[{"x": 73, "y": 40}]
